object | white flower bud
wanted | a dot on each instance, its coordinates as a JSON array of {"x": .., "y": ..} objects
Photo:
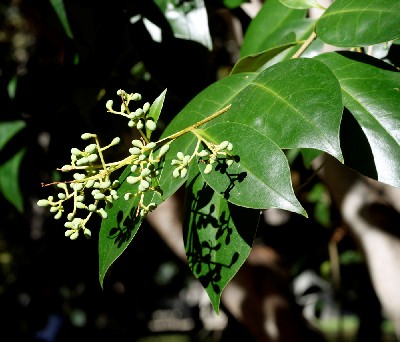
[
  {"x": 180, "y": 155},
  {"x": 86, "y": 136},
  {"x": 139, "y": 124},
  {"x": 102, "y": 213},
  {"x": 69, "y": 232},
  {"x": 230, "y": 147},
  {"x": 133, "y": 168},
  {"x": 183, "y": 172},
  {"x": 185, "y": 160},
  {"x": 136, "y": 97},
  {"x": 109, "y": 105},
  {"x": 176, "y": 173},
  {"x": 151, "y": 125},
  {"x": 132, "y": 180},
  {"x": 53, "y": 209},
  {"x": 144, "y": 184},
  {"x": 131, "y": 124},
  {"x": 79, "y": 176},
  {"x": 92, "y": 207},
  {"x": 137, "y": 143},
  {"x": 223, "y": 145},
  {"x": 120, "y": 92},
  {"x": 138, "y": 112},
  {"x": 127, "y": 196},
  {"x": 75, "y": 151},
  {"x": 80, "y": 198},
  {"x": 135, "y": 150},
  {"x": 87, "y": 233},
  {"x": 93, "y": 157},
  {"x": 42, "y": 203},
  {"x": 50, "y": 198},
  {"x": 68, "y": 225},
  {"x": 80, "y": 205},
  {"x": 150, "y": 146},
  {"x": 163, "y": 150},
  {"x": 116, "y": 141},
  {"x": 74, "y": 235},
  {"x": 208, "y": 169},
  {"x": 82, "y": 161},
  {"x": 58, "y": 215},
  {"x": 99, "y": 196},
  {"x": 90, "y": 148},
  {"x": 146, "y": 107},
  {"x": 70, "y": 216},
  {"x": 61, "y": 196},
  {"x": 203, "y": 153}
]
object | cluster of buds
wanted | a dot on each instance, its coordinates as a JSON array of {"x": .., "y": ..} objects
[
  {"x": 88, "y": 178},
  {"x": 137, "y": 118},
  {"x": 92, "y": 189},
  {"x": 209, "y": 156}
]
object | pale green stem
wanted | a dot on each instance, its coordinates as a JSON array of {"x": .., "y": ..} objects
[{"x": 305, "y": 45}]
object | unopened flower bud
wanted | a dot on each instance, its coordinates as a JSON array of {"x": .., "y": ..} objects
[
  {"x": 86, "y": 136},
  {"x": 146, "y": 107},
  {"x": 91, "y": 148},
  {"x": 208, "y": 169},
  {"x": 116, "y": 141},
  {"x": 42, "y": 203},
  {"x": 74, "y": 235},
  {"x": 109, "y": 105},
  {"x": 151, "y": 125}
]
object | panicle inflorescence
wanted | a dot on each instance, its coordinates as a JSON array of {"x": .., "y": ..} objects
[{"x": 92, "y": 190}]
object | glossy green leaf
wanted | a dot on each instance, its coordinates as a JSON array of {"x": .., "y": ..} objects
[
  {"x": 350, "y": 23},
  {"x": 276, "y": 25},
  {"x": 301, "y": 4},
  {"x": 59, "y": 8},
  {"x": 188, "y": 20},
  {"x": 9, "y": 180},
  {"x": 296, "y": 103},
  {"x": 155, "y": 111},
  {"x": 257, "y": 61},
  {"x": 234, "y": 3},
  {"x": 8, "y": 129},
  {"x": 260, "y": 178},
  {"x": 373, "y": 97},
  {"x": 218, "y": 236}
]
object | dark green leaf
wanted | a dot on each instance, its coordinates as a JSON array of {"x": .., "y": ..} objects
[
  {"x": 59, "y": 8},
  {"x": 121, "y": 225},
  {"x": 261, "y": 176},
  {"x": 276, "y": 25},
  {"x": 217, "y": 249},
  {"x": 373, "y": 97},
  {"x": 350, "y": 23},
  {"x": 9, "y": 180},
  {"x": 257, "y": 61},
  {"x": 8, "y": 129}
]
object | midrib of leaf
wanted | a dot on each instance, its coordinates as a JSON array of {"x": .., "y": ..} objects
[
  {"x": 356, "y": 11},
  {"x": 296, "y": 110}
]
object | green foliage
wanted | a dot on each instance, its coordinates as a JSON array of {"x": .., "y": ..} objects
[{"x": 273, "y": 100}]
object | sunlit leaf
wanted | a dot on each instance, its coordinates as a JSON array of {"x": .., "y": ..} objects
[
  {"x": 155, "y": 110},
  {"x": 301, "y": 4},
  {"x": 350, "y": 23},
  {"x": 372, "y": 95},
  {"x": 260, "y": 178},
  {"x": 8, "y": 129},
  {"x": 188, "y": 20},
  {"x": 296, "y": 103}
]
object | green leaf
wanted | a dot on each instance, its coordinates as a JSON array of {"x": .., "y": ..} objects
[
  {"x": 155, "y": 110},
  {"x": 188, "y": 20},
  {"x": 257, "y": 61},
  {"x": 234, "y": 3},
  {"x": 9, "y": 180},
  {"x": 59, "y": 8},
  {"x": 218, "y": 236},
  {"x": 121, "y": 225},
  {"x": 351, "y": 23},
  {"x": 296, "y": 103},
  {"x": 260, "y": 178},
  {"x": 301, "y": 4},
  {"x": 372, "y": 95},
  {"x": 8, "y": 129},
  {"x": 273, "y": 26}
]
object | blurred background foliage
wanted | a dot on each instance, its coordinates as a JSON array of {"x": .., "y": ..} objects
[{"x": 60, "y": 61}]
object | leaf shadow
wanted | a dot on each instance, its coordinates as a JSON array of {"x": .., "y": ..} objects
[
  {"x": 222, "y": 168},
  {"x": 208, "y": 233},
  {"x": 123, "y": 232}
]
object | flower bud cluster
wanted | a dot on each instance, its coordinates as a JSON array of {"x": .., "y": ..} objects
[
  {"x": 209, "y": 156},
  {"x": 138, "y": 118},
  {"x": 90, "y": 180}
]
